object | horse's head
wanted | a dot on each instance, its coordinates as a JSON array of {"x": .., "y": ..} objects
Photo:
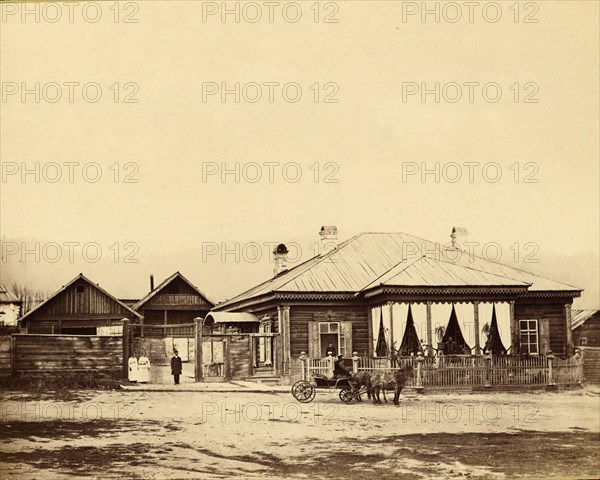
[{"x": 404, "y": 374}]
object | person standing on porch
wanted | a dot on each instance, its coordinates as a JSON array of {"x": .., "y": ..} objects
[
  {"x": 330, "y": 350},
  {"x": 176, "y": 366}
]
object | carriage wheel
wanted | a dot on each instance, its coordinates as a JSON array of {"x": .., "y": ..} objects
[
  {"x": 347, "y": 395},
  {"x": 304, "y": 391}
]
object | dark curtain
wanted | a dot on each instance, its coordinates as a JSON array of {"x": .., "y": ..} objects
[
  {"x": 410, "y": 340},
  {"x": 494, "y": 343},
  {"x": 453, "y": 340},
  {"x": 381, "y": 350}
]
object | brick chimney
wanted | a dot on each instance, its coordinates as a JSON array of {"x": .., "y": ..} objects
[
  {"x": 329, "y": 236},
  {"x": 279, "y": 258}
]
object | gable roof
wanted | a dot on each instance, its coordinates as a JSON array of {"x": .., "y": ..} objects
[
  {"x": 7, "y": 296},
  {"x": 166, "y": 282},
  {"x": 359, "y": 262},
  {"x": 79, "y": 277},
  {"x": 579, "y": 317}
]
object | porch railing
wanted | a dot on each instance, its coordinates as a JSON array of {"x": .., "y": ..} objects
[{"x": 462, "y": 370}]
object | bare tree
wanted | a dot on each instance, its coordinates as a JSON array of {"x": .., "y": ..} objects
[{"x": 29, "y": 297}]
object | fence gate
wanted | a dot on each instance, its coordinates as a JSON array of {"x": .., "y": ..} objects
[{"x": 213, "y": 358}]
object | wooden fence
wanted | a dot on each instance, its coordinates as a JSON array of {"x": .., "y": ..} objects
[
  {"x": 5, "y": 356},
  {"x": 463, "y": 370},
  {"x": 35, "y": 354}
]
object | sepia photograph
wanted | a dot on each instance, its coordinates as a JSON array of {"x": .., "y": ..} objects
[{"x": 310, "y": 239}]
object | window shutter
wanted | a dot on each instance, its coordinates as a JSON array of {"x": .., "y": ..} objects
[
  {"x": 346, "y": 333},
  {"x": 314, "y": 340}
]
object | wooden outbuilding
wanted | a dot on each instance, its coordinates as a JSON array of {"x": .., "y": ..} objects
[
  {"x": 586, "y": 328},
  {"x": 81, "y": 307},
  {"x": 170, "y": 306}
]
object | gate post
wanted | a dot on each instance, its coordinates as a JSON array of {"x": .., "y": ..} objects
[
  {"x": 354, "y": 363},
  {"x": 227, "y": 359},
  {"x": 13, "y": 356},
  {"x": 198, "y": 354},
  {"x": 126, "y": 348},
  {"x": 419, "y": 383},
  {"x": 488, "y": 371},
  {"x": 302, "y": 359}
]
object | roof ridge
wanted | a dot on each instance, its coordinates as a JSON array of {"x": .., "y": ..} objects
[{"x": 295, "y": 269}]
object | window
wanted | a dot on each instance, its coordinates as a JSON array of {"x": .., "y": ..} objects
[
  {"x": 329, "y": 333},
  {"x": 529, "y": 336},
  {"x": 583, "y": 341},
  {"x": 80, "y": 289}
]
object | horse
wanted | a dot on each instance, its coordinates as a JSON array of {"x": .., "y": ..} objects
[
  {"x": 389, "y": 381},
  {"x": 359, "y": 380}
]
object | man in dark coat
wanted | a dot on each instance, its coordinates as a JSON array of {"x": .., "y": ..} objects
[
  {"x": 339, "y": 369},
  {"x": 176, "y": 366}
]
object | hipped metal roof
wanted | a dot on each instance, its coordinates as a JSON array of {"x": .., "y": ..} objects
[{"x": 369, "y": 260}]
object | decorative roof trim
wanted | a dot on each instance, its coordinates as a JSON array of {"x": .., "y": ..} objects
[{"x": 491, "y": 290}]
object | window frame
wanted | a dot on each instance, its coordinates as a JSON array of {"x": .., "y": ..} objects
[{"x": 532, "y": 335}]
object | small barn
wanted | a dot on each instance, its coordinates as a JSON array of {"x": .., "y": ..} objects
[
  {"x": 81, "y": 307},
  {"x": 586, "y": 328}
]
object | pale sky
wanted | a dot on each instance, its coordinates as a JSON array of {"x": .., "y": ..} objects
[{"x": 365, "y": 141}]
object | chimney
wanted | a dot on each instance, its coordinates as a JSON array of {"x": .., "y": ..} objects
[
  {"x": 457, "y": 233},
  {"x": 329, "y": 236},
  {"x": 151, "y": 282},
  {"x": 279, "y": 256}
]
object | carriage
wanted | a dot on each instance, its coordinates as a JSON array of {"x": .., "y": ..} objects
[{"x": 305, "y": 391}]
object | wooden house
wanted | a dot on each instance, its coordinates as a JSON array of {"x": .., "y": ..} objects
[
  {"x": 81, "y": 307},
  {"x": 586, "y": 328},
  {"x": 332, "y": 296},
  {"x": 170, "y": 307},
  {"x": 10, "y": 307}
]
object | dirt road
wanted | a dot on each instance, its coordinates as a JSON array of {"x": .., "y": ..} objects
[{"x": 156, "y": 435}]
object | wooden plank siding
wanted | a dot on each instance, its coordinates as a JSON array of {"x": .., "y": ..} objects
[
  {"x": 239, "y": 356},
  {"x": 64, "y": 354},
  {"x": 301, "y": 316},
  {"x": 80, "y": 304},
  {"x": 590, "y": 330},
  {"x": 5, "y": 357},
  {"x": 554, "y": 313}
]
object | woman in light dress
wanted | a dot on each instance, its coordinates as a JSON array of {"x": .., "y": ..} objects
[{"x": 143, "y": 368}]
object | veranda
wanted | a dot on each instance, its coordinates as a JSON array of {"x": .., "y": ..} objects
[{"x": 467, "y": 371}]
